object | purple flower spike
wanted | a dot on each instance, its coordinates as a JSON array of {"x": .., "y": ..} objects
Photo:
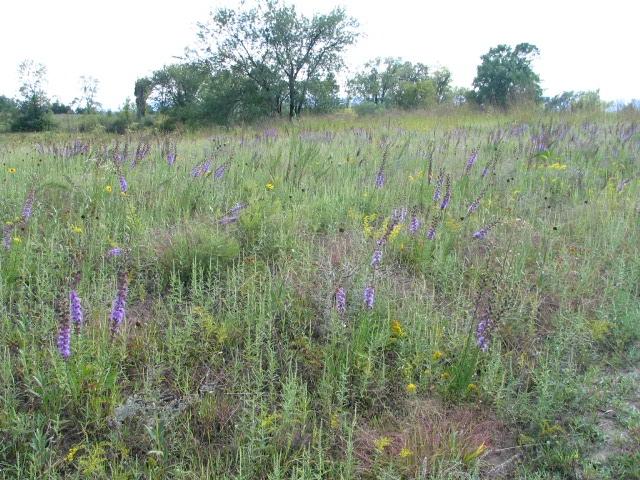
[
  {"x": 220, "y": 171},
  {"x": 482, "y": 332},
  {"x": 341, "y": 300},
  {"x": 171, "y": 158},
  {"x": 118, "y": 311},
  {"x": 431, "y": 233},
  {"x": 27, "y": 208},
  {"x": 415, "y": 225},
  {"x": 124, "y": 186},
  {"x": 64, "y": 339},
  {"x": 380, "y": 179},
  {"x": 447, "y": 196},
  {"x": 376, "y": 258},
  {"x": 484, "y": 231},
  {"x": 75, "y": 308},
  {"x": 369, "y": 296},
  {"x": 114, "y": 252},
  {"x": 471, "y": 161}
]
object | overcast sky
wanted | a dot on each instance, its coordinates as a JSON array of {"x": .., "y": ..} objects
[{"x": 584, "y": 45}]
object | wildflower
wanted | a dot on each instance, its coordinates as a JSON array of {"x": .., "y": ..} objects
[
  {"x": 108, "y": 188},
  {"x": 27, "y": 208},
  {"x": 483, "y": 232},
  {"x": 472, "y": 387},
  {"x": 11, "y": 170},
  {"x": 474, "y": 205},
  {"x": 471, "y": 161},
  {"x": 114, "y": 252},
  {"x": 171, "y": 158},
  {"x": 445, "y": 376},
  {"x": 220, "y": 171},
  {"x": 623, "y": 183},
  {"x": 382, "y": 443},
  {"x": 380, "y": 179},
  {"x": 405, "y": 453},
  {"x": 396, "y": 329},
  {"x": 447, "y": 196},
  {"x": 118, "y": 310},
  {"x": 369, "y": 296},
  {"x": 482, "y": 332},
  {"x": 437, "y": 355},
  {"x": 415, "y": 225},
  {"x": 17, "y": 239},
  {"x": 376, "y": 258},
  {"x": 557, "y": 166},
  {"x": 76, "y": 229},
  {"x": 399, "y": 214},
  {"x": 124, "y": 186},
  {"x": 341, "y": 300},
  {"x": 431, "y": 232},
  {"x": 75, "y": 308},
  {"x": 438, "y": 190},
  {"x": 411, "y": 388},
  {"x": 64, "y": 338},
  {"x": 270, "y": 186}
]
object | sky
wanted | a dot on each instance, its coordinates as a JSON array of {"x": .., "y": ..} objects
[{"x": 584, "y": 45}]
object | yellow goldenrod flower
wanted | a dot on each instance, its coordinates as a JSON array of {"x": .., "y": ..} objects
[
  {"x": 396, "y": 231},
  {"x": 270, "y": 186},
  {"x": 76, "y": 229},
  {"x": 382, "y": 443},
  {"x": 108, "y": 189},
  {"x": 17, "y": 239},
  {"x": 411, "y": 388},
  {"x": 72, "y": 453},
  {"x": 437, "y": 355},
  {"x": 396, "y": 329},
  {"x": 405, "y": 453}
]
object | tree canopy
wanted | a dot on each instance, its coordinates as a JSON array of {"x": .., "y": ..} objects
[{"x": 505, "y": 76}]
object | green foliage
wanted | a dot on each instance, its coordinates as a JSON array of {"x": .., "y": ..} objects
[
  {"x": 505, "y": 76},
  {"x": 33, "y": 112}
]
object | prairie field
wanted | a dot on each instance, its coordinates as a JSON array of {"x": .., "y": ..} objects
[{"x": 396, "y": 296}]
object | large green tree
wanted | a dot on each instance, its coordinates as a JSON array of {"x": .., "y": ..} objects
[
  {"x": 33, "y": 113},
  {"x": 281, "y": 51},
  {"x": 505, "y": 76}
]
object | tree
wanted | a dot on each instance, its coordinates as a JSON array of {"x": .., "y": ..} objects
[
  {"x": 442, "y": 81},
  {"x": 33, "y": 112},
  {"x": 505, "y": 76},
  {"x": 142, "y": 90},
  {"x": 178, "y": 88},
  {"x": 86, "y": 102},
  {"x": 281, "y": 51}
]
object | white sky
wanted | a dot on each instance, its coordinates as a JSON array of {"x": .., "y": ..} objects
[{"x": 584, "y": 45}]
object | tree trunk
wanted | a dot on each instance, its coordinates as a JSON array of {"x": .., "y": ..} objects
[{"x": 292, "y": 99}]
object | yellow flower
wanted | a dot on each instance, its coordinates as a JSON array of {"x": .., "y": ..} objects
[
  {"x": 270, "y": 186},
  {"x": 472, "y": 387},
  {"x": 108, "y": 189},
  {"x": 437, "y": 355},
  {"x": 445, "y": 376},
  {"x": 76, "y": 229},
  {"x": 558, "y": 166},
  {"x": 411, "y": 388},
  {"x": 335, "y": 421},
  {"x": 17, "y": 239},
  {"x": 11, "y": 170},
  {"x": 396, "y": 329},
  {"x": 72, "y": 453},
  {"x": 382, "y": 443},
  {"x": 405, "y": 453}
]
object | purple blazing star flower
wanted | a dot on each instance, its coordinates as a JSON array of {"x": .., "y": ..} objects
[
  {"x": 124, "y": 186},
  {"x": 431, "y": 233},
  {"x": 171, "y": 158},
  {"x": 447, "y": 196},
  {"x": 482, "y": 332},
  {"x": 118, "y": 310},
  {"x": 438, "y": 190},
  {"x": 471, "y": 161},
  {"x": 474, "y": 205},
  {"x": 64, "y": 338},
  {"x": 483, "y": 232},
  {"x": 376, "y": 258},
  {"x": 380, "y": 179},
  {"x": 114, "y": 252},
  {"x": 415, "y": 225},
  {"x": 27, "y": 208},
  {"x": 341, "y": 300},
  {"x": 369, "y": 296},
  {"x": 220, "y": 171},
  {"x": 75, "y": 308}
]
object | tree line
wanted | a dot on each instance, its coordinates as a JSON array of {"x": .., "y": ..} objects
[{"x": 267, "y": 59}]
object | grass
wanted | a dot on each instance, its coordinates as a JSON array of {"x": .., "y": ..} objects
[{"x": 233, "y": 360}]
